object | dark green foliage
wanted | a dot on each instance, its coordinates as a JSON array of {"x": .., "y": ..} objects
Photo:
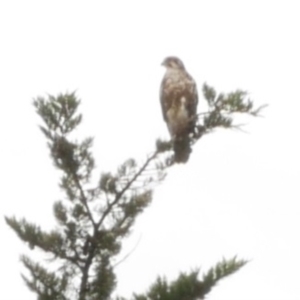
[
  {"x": 104, "y": 282},
  {"x": 188, "y": 286},
  {"x": 222, "y": 109},
  {"x": 46, "y": 284},
  {"x": 221, "y": 270},
  {"x": 92, "y": 221}
]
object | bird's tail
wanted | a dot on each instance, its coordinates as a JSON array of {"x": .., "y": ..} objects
[{"x": 182, "y": 149}]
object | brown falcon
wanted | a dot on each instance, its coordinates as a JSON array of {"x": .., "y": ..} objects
[{"x": 179, "y": 99}]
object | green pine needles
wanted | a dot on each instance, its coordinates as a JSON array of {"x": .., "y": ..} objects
[{"x": 92, "y": 222}]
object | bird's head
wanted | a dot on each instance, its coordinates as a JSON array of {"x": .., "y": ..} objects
[{"x": 172, "y": 62}]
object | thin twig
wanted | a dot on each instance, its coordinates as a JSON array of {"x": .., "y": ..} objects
[{"x": 128, "y": 254}]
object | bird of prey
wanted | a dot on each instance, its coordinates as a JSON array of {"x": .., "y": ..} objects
[{"x": 179, "y": 100}]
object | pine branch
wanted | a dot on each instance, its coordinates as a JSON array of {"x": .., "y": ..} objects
[
  {"x": 46, "y": 284},
  {"x": 188, "y": 286},
  {"x": 222, "y": 269},
  {"x": 99, "y": 224},
  {"x": 222, "y": 109},
  {"x": 84, "y": 199},
  {"x": 85, "y": 273},
  {"x": 127, "y": 187},
  {"x": 49, "y": 242}
]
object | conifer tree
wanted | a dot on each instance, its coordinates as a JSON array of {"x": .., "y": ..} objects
[{"x": 93, "y": 221}]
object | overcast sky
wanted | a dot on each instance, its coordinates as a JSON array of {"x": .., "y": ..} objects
[{"x": 239, "y": 193}]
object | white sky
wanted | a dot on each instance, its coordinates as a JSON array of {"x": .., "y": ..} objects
[{"x": 239, "y": 193}]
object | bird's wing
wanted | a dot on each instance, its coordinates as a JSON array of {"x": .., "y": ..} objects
[
  {"x": 165, "y": 97},
  {"x": 192, "y": 96}
]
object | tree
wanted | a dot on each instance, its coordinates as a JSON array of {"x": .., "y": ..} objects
[{"x": 94, "y": 220}]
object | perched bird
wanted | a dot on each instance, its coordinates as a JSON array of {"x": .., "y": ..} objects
[{"x": 179, "y": 100}]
